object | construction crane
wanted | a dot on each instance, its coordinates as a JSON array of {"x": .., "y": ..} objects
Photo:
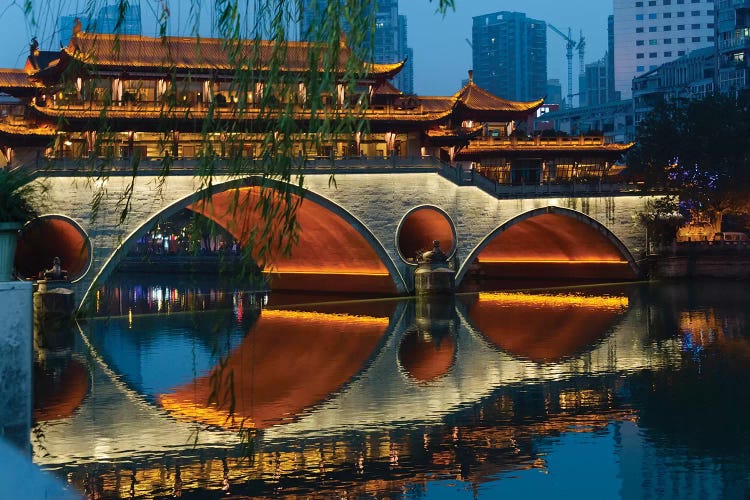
[{"x": 570, "y": 45}]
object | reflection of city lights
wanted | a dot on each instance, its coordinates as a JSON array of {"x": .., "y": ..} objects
[
  {"x": 597, "y": 302},
  {"x": 130, "y": 318}
]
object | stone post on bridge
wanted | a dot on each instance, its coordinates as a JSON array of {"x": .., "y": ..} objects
[{"x": 433, "y": 276}]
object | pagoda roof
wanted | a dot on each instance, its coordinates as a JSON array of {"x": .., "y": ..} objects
[
  {"x": 576, "y": 146},
  {"x": 42, "y": 130},
  {"x": 386, "y": 88},
  {"x": 16, "y": 82},
  {"x": 140, "y": 114},
  {"x": 15, "y": 79},
  {"x": 108, "y": 52},
  {"x": 472, "y": 101},
  {"x": 445, "y": 136}
]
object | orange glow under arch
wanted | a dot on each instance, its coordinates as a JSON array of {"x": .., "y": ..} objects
[
  {"x": 424, "y": 358},
  {"x": 545, "y": 328},
  {"x": 420, "y": 228},
  {"x": 552, "y": 245},
  {"x": 277, "y": 376},
  {"x": 47, "y": 237},
  {"x": 329, "y": 256}
]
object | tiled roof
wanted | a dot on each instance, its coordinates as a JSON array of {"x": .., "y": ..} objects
[
  {"x": 474, "y": 98},
  {"x": 152, "y": 112},
  {"x": 482, "y": 148},
  {"x": 26, "y": 130},
  {"x": 15, "y": 78},
  {"x": 386, "y": 88},
  {"x": 211, "y": 54}
]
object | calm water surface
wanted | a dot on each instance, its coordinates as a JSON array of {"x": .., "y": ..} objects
[{"x": 200, "y": 390}]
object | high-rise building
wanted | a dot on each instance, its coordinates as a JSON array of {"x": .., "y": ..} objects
[
  {"x": 554, "y": 92},
  {"x": 733, "y": 45},
  {"x": 649, "y": 33},
  {"x": 104, "y": 22},
  {"x": 390, "y": 36},
  {"x": 593, "y": 85},
  {"x": 612, "y": 94},
  {"x": 510, "y": 55}
]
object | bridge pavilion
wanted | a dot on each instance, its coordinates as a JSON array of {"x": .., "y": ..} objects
[{"x": 156, "y": 93}]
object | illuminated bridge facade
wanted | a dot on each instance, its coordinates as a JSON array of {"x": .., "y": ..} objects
[{"x": 360, "y": 235}]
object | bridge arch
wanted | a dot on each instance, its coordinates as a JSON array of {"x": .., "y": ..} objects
[
  {"x": 346, "y": 230},
  {"x": 53, "y": 235},
  {"x": 422, "y": 225},
  {"x": 550, "y": 241}
]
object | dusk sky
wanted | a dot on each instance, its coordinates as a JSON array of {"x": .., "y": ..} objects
[{"x": 441, "y": 53}]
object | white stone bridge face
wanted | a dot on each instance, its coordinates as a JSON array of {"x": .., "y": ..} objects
[{"x": 362, "y": 231}]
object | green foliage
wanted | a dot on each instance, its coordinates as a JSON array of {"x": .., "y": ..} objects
[
  {"x": 697, "y": 149},
  {"x": 662, "y": 219},
  {"x": 19, "y": 196}
]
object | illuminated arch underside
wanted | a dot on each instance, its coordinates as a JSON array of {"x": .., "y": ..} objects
[
  {"x": 552, "y": 245},
  {"x": 58, "y": 395},
  {"x": 330, "y": 255},
  {"x": 289, "y": 361},
  {"x": 424, "y": 358},
  {"x": 545, "y": 328},
  {"x": 420, "y": 228},
  {"x": 48, "y": 237}
]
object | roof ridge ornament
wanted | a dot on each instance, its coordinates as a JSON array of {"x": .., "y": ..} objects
[{"x": 471, "y": 77}]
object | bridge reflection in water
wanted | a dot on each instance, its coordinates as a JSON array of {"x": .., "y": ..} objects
[{"x": 367, "y": 396}]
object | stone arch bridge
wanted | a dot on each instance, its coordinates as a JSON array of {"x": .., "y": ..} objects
[{"x": 360, "y": 234}]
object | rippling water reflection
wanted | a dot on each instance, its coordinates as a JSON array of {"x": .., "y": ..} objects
[{"x": 635, "y": 391}]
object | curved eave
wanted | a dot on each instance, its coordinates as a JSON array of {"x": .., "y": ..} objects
[
  {"x": 134, "y": 113},
  {"x": 17, "y": 83},
  {"x": 607, "y": 150},
  {"x": 372, "y": 71},
  {"x": 500, "y": 113},
  {"x": 22, "y": 131},
  {"x": 452, "y": 137},
  {"x": 385, "y": 71}
]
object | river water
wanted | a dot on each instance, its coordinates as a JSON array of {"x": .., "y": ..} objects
[{"x": 203, "y": 390}]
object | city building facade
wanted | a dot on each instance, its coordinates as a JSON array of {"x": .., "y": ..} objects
[
  {"x": 106, "y": 21},
  {"x": 510, "y": 55},
  {"x": 391, "y": 36},
  {"x": 689, "y": 77},
  {"x": 613, "y": 120},
  {"x": 648, "y": 33},
  {"x": 733, "y": 45}
]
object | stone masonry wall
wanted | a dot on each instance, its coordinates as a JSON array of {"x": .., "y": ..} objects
[{"x": 379, "y": 201}]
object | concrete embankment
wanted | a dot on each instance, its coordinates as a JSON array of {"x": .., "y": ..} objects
[{"x": 691, "y": 262}]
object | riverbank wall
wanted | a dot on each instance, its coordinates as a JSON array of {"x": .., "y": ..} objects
[{"x": 700, "y": 261}]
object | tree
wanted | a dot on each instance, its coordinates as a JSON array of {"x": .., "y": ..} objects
[{"x": 697, "y": 149}]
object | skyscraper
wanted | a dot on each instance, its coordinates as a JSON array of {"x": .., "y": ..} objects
[
  {"x": 649, "y": 33},
  {"x": 510, "y": 55},
  {"x": 390, "y": 36},
  {"x": 733, "y": 45},
  {"x": 104, "y": 22}
]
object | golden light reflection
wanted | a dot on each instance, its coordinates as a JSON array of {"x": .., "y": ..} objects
[
  {"x": 346, "y": 319},
  {"x": 310, "y": 460},
  {"x": 549, "y": 300},
  {"x": 545, "y": 328},
  {"x": 289, "y": 361}
]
